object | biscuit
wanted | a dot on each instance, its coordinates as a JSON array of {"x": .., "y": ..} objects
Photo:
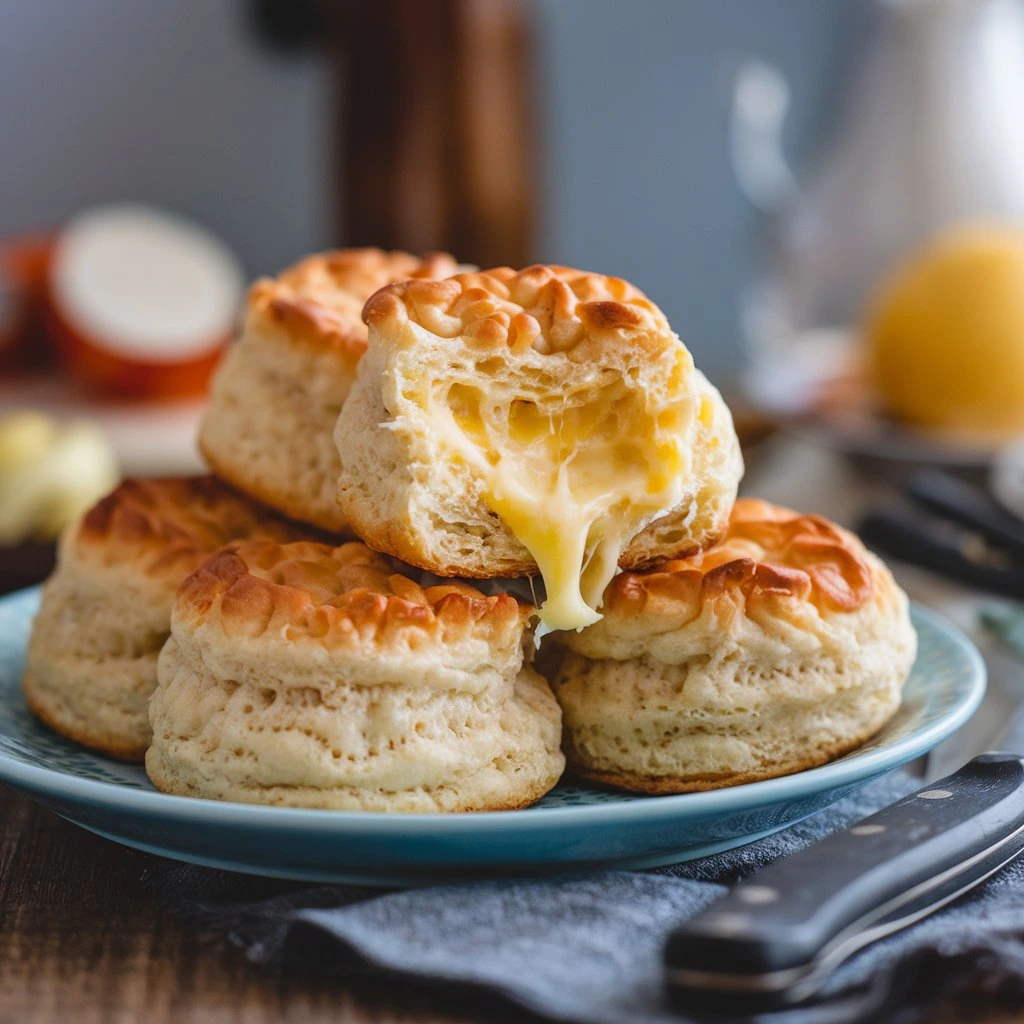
[
  {"x": 106, "y": 610},
  {"x": 274, "y": 401},
  {"x": 303, "y": 675},
  {"x": 507, "y": 423},
  {"x": 780, "y": 648}
]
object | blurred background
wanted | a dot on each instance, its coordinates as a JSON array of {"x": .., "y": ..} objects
[
  {"x": 231, "y": 112},
  {"x": 825, "y": 197}
]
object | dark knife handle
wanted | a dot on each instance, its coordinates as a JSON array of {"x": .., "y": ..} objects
[
  {"x": 968, "y": 505},
  {"x": 910, "y": 537},
  {"x": 779, "y": 922}
]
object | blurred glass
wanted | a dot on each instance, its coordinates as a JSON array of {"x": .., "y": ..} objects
[{"x": 933, "y": 133}]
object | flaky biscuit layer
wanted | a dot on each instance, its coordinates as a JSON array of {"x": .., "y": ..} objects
[
  {"x": 544, "y": 308},
  {"x": 277, "y": 395},
  {"x": 311, "y": 676},
  {"x": 106, "y": 610}
]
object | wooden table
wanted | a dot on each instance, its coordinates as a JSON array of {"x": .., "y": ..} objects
[{"x": 83, "y": 939}]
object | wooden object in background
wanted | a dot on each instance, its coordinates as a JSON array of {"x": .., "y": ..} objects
[
  {"x": 24, "y": 268},
  {"x": 437, "y": 142}
]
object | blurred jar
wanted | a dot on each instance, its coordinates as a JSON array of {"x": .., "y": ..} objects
[
  {"x": 141, "y": 302},
  {"x": 933, "y": 133},
  {"x": 24, "y": 266}
]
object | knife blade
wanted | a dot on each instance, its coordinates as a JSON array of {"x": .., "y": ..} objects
[{"x": 777, "y": 936}]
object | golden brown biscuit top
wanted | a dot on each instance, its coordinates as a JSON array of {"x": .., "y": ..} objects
[
  {"x": 544, "y": 308},
  {"x": 167, "y": 527},
  {"x": 340, "y": 596},
  {"x": 768, "y": 553},
  {"x": 319, "y": 300}
]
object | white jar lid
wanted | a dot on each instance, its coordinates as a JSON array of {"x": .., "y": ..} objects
[{"x": 145, "y": 285}]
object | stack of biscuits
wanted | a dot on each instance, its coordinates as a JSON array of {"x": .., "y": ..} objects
[{"x": 466, "y": 530}]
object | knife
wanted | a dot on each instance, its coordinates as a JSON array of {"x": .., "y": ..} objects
[
  {"x": 968, "y": 505},
  {"x": 942, "y": 546},
  {"x": 955, "y": 529},
  {"x": 777, "y": 936}
]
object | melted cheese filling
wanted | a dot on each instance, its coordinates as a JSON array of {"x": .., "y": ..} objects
[{"x": 574, "y": 480}]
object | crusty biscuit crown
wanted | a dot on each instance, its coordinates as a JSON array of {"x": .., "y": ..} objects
[
  {"x": 319, "y": 300},
  {"x": 545, "y": 308},
  {"x": 340, "y": 596},
  {"x": 768, "y": 552},
  {"x": 168, "y": 525}
]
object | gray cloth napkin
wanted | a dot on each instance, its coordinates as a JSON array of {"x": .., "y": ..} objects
[{"x": 588, "y": 948}]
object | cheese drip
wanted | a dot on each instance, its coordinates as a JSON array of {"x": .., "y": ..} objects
[{"x": 574, "y": 480}]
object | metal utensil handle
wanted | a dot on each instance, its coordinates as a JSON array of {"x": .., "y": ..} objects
[
  {"x": 968, "y": 505},
  {"x": 773, "y": 930},
  {"x": 906, "y": 536}
]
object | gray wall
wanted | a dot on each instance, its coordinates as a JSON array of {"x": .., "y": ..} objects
[
  {"x": 172, "y": 101},
  {"x": 638, "y": 94},
  {"x": 167, "y": 101}
]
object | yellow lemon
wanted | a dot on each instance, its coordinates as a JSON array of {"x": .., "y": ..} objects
[{"x": 946, "y": 333}]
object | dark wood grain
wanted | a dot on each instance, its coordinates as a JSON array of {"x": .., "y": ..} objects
[
  {"x": 438, "y": 142},
  {"x": 83, "y": 939}
]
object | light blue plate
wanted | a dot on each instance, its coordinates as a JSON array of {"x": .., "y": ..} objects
[{"x": 572, "y": 828}]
